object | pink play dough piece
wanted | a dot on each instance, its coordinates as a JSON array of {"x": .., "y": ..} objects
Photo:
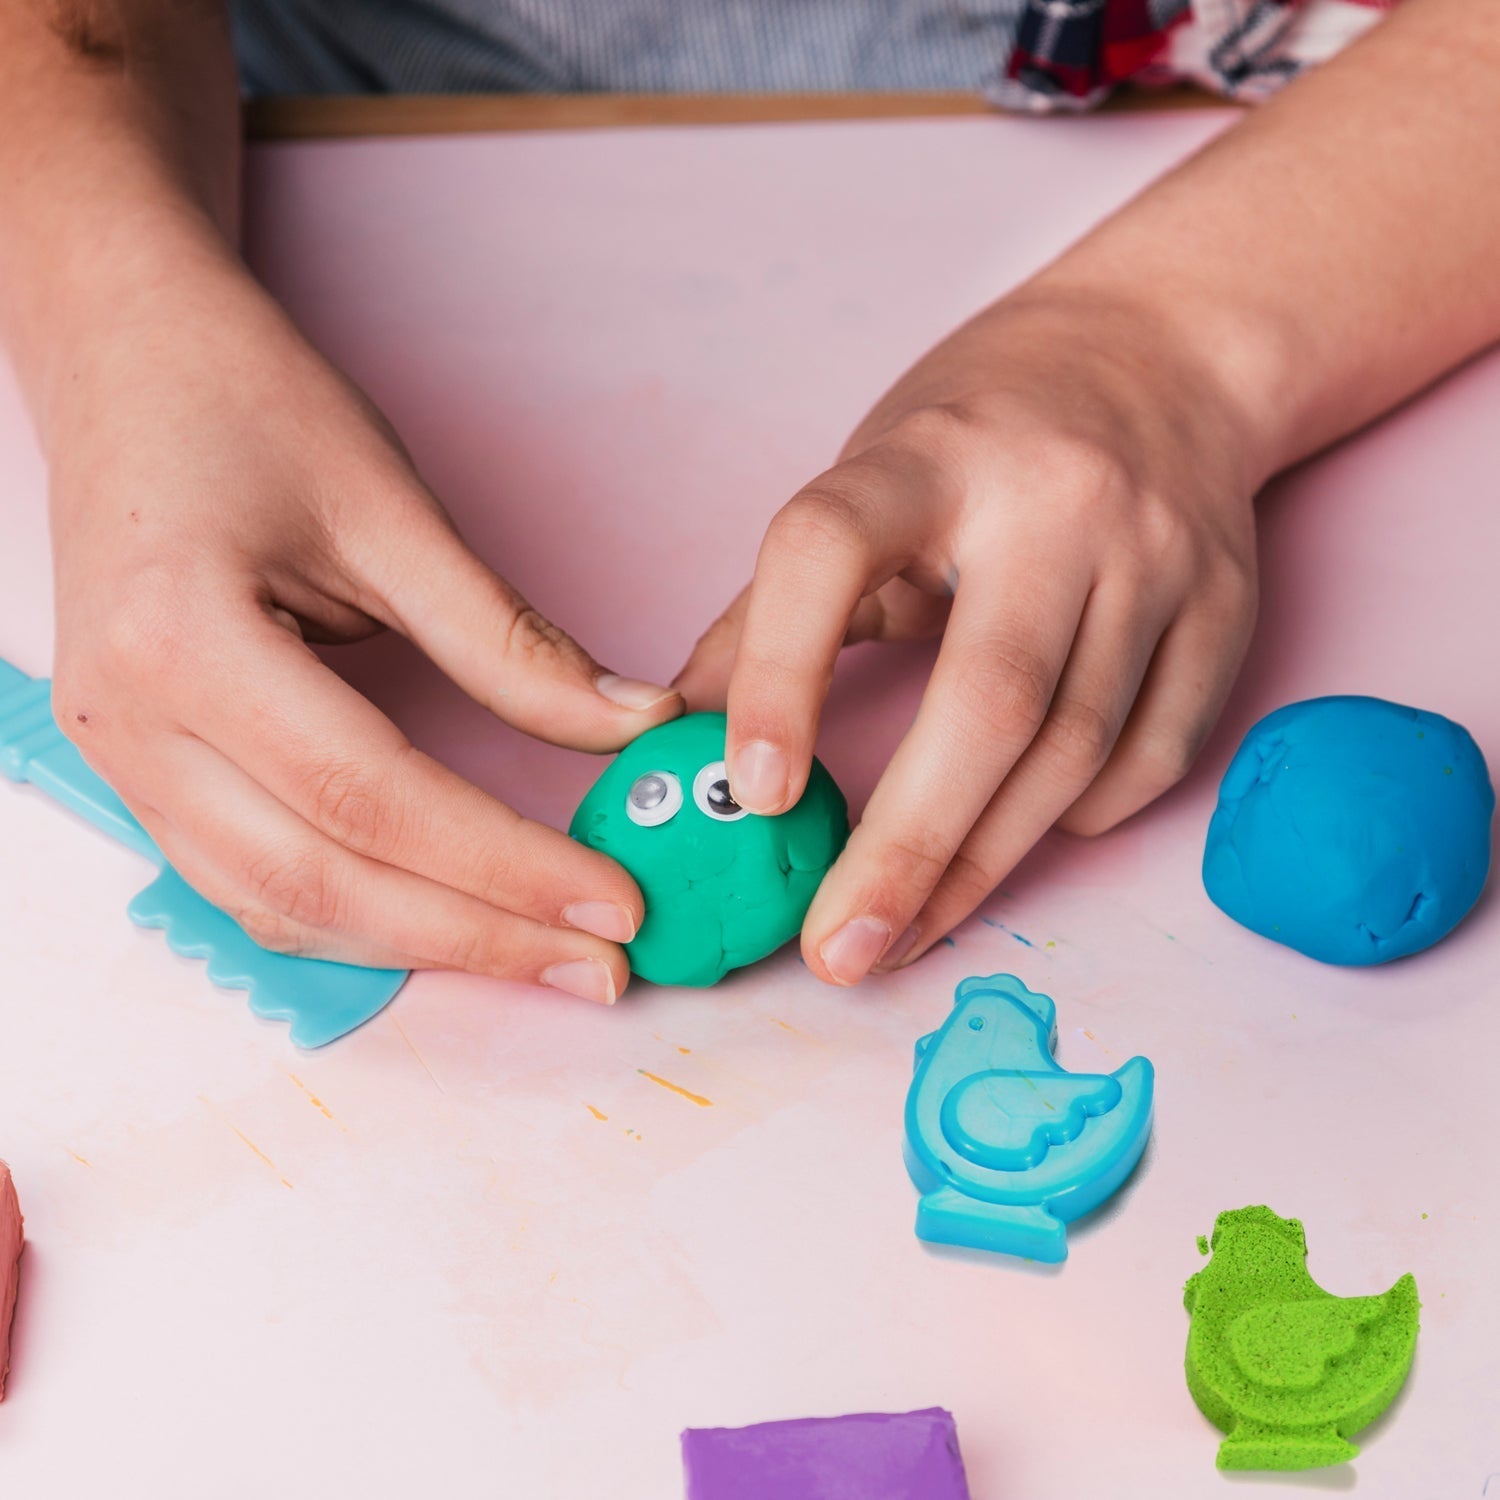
[{"x": 10, "y": 1265}]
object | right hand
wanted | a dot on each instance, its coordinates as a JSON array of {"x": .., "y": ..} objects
[{"x": 220, "y": 496}]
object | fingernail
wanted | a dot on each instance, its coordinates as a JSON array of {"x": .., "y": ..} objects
[
  {"x": 630, "y": 692},
  {"x": 898, "y": 950},
  {"x": 758, "y": 777},
  {"x": 603, "y": 918},
  {"x": 848, "y": 954},
  {"x": 585, "y": 977}
]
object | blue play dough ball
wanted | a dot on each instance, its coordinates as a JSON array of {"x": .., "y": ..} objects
[{"x": 1351, "y": 829}]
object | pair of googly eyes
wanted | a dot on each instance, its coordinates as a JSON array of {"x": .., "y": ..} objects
[{"x": 656, "y": 797}]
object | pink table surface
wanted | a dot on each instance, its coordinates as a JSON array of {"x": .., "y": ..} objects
[{"x": 473, "y": 1250}]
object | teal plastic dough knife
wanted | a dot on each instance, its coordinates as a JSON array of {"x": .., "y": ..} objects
[{"x": 323, "y": 1001}]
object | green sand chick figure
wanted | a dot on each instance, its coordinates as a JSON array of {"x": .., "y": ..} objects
[
  {"x": 1288, "y": 1370},
  {"x": 723, "y": 887}
]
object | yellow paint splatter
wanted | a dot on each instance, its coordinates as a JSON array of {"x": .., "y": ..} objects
[
  {"x": 83, "y": 1161},
  {"x": 1049, "y": 945},
  {"x": 676, "y": 1088},
  {"x": 598, "y": 1114}
]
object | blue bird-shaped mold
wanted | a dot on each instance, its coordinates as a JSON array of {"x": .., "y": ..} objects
[{"x": 1006, "y": 1147}]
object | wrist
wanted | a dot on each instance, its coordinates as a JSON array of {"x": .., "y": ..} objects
[
  {"x": 93, "y": 329},
  {"x": 1212, "y": 366}
]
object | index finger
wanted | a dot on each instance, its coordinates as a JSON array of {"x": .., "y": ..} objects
[
  {"x": 325, "y": 751},
  {"x": 829, "y": 547}
]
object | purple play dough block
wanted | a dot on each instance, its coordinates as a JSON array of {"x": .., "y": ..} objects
[{"x": 872, "y": 1456}]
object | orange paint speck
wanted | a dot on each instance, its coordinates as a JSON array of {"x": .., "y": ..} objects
[
  {"x": 783, "y": 1025},
  {"x": 598, "y": 1114},
  {"x": 428, "y": 1071},
  {"x": 686, "y": 1051},
  {"x": 245, "y": 1138},
  {"x": 676, "y": 1088},
  {"x": 256, "y": 1149},
  {"x": 82, "y": 1161},
  {"x": 1089, "y": 1034},
  {"x": 312, "y": 1098}
]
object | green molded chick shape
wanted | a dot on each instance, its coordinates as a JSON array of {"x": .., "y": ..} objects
[
  {"x": 1288, "y": 1371},
  {"x": 723, "y": 887}
]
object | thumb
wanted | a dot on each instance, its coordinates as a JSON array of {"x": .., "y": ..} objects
[{"x": 510, "y": 658}]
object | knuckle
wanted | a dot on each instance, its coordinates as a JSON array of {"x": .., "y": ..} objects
[
  {"x": 470, "y": 951},
  {"x": 531, "y": 635},
  {"x": 295, "y": 887},
  {"x": 916, "y": 859},
  {"x": 943, "y": 429},
  {"x": 1160, "y": 762},
  {"x": 510, "y": 870},
  {"x": 824, "y": 519},
  {"x": 1162, "y": 532},
  {"x": 349, "y": 804},
  {"x": 970, "y": 878},
  {"x": 272, "y": 931},
  {"x": 1088, "y": 471},
  {"x": 1077, "y": 736},
  {"x": 1003, "y": 683},
  {"x": 500, "y": 884}
]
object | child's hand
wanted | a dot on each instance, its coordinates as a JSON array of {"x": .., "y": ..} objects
[
  {"x": 219, "y": 492},
  {"x": 1057, "y": 490}
]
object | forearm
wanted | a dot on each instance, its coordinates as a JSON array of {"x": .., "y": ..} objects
[
  {"x": 119, "y": 161},
  {"x": 1336, "y": 251}
]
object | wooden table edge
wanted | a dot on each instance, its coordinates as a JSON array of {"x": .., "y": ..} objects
[{"x": 339, "y": 116}]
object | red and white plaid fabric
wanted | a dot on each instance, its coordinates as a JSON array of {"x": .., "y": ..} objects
[{"x": 1070, "y": 53}]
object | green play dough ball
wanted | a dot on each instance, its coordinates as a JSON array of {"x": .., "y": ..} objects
[{"x": 723, "y": 887}]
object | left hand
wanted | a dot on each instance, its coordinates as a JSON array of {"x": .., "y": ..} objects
[{"x": 1062, "y": 491}]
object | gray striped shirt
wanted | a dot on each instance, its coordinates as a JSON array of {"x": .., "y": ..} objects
[{"x": 632, "y": 46}]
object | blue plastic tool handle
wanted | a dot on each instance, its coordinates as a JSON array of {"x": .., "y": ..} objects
[
  {"x": 322, "y": 1001},
  {"x": 32, "y": 748}
]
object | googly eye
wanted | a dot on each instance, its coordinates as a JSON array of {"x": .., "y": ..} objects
[
  {"x": 711, "y": 793},
  {"x": 653, "y": 799}
]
